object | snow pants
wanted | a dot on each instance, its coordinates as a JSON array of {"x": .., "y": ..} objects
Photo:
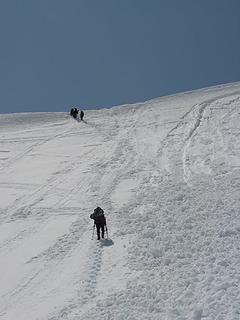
[{"x": 100, "y": 227}]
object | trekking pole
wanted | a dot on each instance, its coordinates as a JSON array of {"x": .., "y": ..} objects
[
  {"x": 107, "y": 231},
  {"x": 93, "y": 230}
]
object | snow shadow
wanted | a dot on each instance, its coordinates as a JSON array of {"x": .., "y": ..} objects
[{"x": 107, "y": 242}]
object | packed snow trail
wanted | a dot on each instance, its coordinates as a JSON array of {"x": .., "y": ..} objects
[{"x": 166, "y": 172}]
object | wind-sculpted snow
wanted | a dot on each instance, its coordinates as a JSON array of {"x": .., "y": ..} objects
[{"x": 166, "y": 172}]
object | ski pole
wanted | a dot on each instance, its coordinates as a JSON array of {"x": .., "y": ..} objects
[{"x": 93, "y": 230}]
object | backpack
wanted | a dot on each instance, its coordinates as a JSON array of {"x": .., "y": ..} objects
[{"x": 97, "y": 213}]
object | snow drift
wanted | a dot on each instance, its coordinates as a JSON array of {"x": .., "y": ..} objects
[{"x": 166, "y": 173}]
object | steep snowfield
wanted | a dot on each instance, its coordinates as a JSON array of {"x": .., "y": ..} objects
[{"x": 166, "y": 172}]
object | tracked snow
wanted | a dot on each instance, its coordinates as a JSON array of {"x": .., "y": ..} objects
[{"x": 166, "y": 172}]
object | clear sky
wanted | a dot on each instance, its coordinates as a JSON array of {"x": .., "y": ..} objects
[{"x": 99, "y": 53}]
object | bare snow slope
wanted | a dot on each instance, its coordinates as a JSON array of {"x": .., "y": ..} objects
[{"x": 166, "y": 173}]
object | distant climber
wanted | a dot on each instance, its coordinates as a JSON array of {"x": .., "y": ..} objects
[
  {"x": 71, "y": 111},
  {"x": 75, "y": 113},
  {"x": 99, "y": 221},
  {"x": 81, "y": 115}
]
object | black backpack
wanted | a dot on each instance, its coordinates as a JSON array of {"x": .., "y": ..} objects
[{"x": 97, "y": 213}]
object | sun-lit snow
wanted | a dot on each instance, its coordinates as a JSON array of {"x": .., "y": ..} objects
[{"x": 167, "y": 174}]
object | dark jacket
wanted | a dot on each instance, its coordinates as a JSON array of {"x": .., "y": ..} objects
[
  {"x": 100, "y": 220},
  {"x": 98, "y": 217}
]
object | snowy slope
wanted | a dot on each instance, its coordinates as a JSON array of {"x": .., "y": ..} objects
[{"x": 166, "y": 173}]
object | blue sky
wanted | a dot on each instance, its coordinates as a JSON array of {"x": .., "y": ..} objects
[{"x": 99, "y": 53}]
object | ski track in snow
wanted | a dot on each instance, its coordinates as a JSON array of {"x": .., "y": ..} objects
[
  {"x": 166, "y": 173},
  {"x": 40, "y": 141},
  {"x": 201, "y": 109}
]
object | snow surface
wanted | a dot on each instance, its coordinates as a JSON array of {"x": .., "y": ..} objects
[{"x": 167, "y": 174}]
